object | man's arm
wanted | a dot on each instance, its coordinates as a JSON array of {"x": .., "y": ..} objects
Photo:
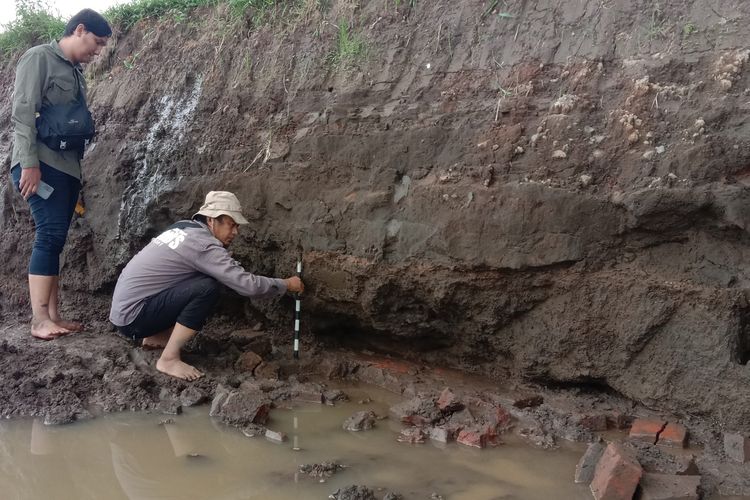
[
  {"x": 27, "y": 101},
  {"x": 216, "y": 262}
]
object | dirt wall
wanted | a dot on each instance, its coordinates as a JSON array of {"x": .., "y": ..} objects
[{"x": 548, "y": 190}]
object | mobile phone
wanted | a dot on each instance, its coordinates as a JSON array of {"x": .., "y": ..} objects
[{"x": 44, "y": 190}]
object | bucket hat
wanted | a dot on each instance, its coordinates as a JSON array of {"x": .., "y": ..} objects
[{"x": 222, "y": 203}]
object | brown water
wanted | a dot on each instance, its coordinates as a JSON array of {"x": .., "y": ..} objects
[{"x": 133, "y": 456}]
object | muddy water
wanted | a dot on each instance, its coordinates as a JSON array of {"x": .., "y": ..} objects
[{"x": 134, "y": 456}]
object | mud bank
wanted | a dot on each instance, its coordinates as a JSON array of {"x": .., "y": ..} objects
[
  {"x": 81, "y": 376},
  {"x": 545, "y": 193}
]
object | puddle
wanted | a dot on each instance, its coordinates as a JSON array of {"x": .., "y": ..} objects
[{"x": 133, "y": 456}]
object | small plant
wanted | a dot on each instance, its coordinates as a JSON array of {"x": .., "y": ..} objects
[
  {"x": 129, "y": 62},
  {"x": 349, "y": 47},
  {"x": 689, "y": 29},
  {"x": 658, "y": 26}
]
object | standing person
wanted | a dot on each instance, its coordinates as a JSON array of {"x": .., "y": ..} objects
[
  {"x": 167, "y": 291},
  {"x": 48, "y": 79}
]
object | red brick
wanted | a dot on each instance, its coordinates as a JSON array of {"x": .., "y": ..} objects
[
  {"x": 674, "y": 435},
  {"x": 646, "y": 431},
  {"x": 472, "y": 437},
  {"x": 617, "y": 474}
]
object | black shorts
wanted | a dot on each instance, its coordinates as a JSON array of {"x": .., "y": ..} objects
[{"x": 190, "y": 303}]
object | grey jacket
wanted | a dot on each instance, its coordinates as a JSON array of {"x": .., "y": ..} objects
[
  {"x": 183, "y": 252},
  {"x": 43, "y": 77}
]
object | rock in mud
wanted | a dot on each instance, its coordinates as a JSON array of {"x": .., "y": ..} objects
[
  {"x": 307, "y": 393},
  {"x": 269, "y": 370},
  {"x": 322, "y": 470},
  {"x": 411, "y": 435},
  {"x": 417, "y": 411},
  {"x": 258, "y": 342},
  {"x": 333, "y": 396},
  {"x": 240, "y": 408},
  {"x": 353, "y": 492},
  {"x": 192, "y": 396},
  {"x": 247, "y": 362},
  {"x": 360, "y": 421}
]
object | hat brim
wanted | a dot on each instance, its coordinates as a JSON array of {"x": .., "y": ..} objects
[{"x": 236, "y": 216}]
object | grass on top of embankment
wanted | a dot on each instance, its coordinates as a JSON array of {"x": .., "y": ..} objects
[{"x": 37, "y": 23}]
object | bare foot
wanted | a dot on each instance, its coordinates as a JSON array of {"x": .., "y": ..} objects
[
  {"x": 72, "y": 326},
  {"x": 177, "y": 368},
  {"x": 47, "y": 329}
]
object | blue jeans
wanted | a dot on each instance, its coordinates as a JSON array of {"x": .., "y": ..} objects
[{"x": 51, "y": 218}]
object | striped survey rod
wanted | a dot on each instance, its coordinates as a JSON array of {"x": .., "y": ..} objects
[{"x": 297, "y": 312}]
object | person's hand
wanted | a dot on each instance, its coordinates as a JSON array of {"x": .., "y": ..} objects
[
  {"x": 29, "y": 182},
  {"x": 294, "y": 285}
]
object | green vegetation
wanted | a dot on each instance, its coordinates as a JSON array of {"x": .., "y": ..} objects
[
  {"x": 34, "y": 24},
  {"x": 689, "y": 29},
  {"x": 349, "y": 47},
  {"x": 126, "y": 15}
]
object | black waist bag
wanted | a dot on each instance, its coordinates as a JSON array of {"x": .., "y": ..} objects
[{"x": 66, "y": 127}]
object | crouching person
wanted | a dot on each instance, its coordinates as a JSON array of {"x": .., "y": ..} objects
[{"x": 167, "y": 291}]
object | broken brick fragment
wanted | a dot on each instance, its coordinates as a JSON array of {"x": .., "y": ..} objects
[
  {"x": 472, "y": 437},
  {"x": 646, "y": 431},
  {"x": 673, "y": 435}
]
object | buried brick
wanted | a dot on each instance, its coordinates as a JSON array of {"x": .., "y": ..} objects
[
  {"x": 593, "y": 422},
  {"x": 617, "y": 474},
  {"x": 673, "y": 435},
  {"x": 669, "y": 487},
  {"x": 587, "y": 465},
  {"x": 646, "y": 431},
  {"x": 737, "y": 447}
]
